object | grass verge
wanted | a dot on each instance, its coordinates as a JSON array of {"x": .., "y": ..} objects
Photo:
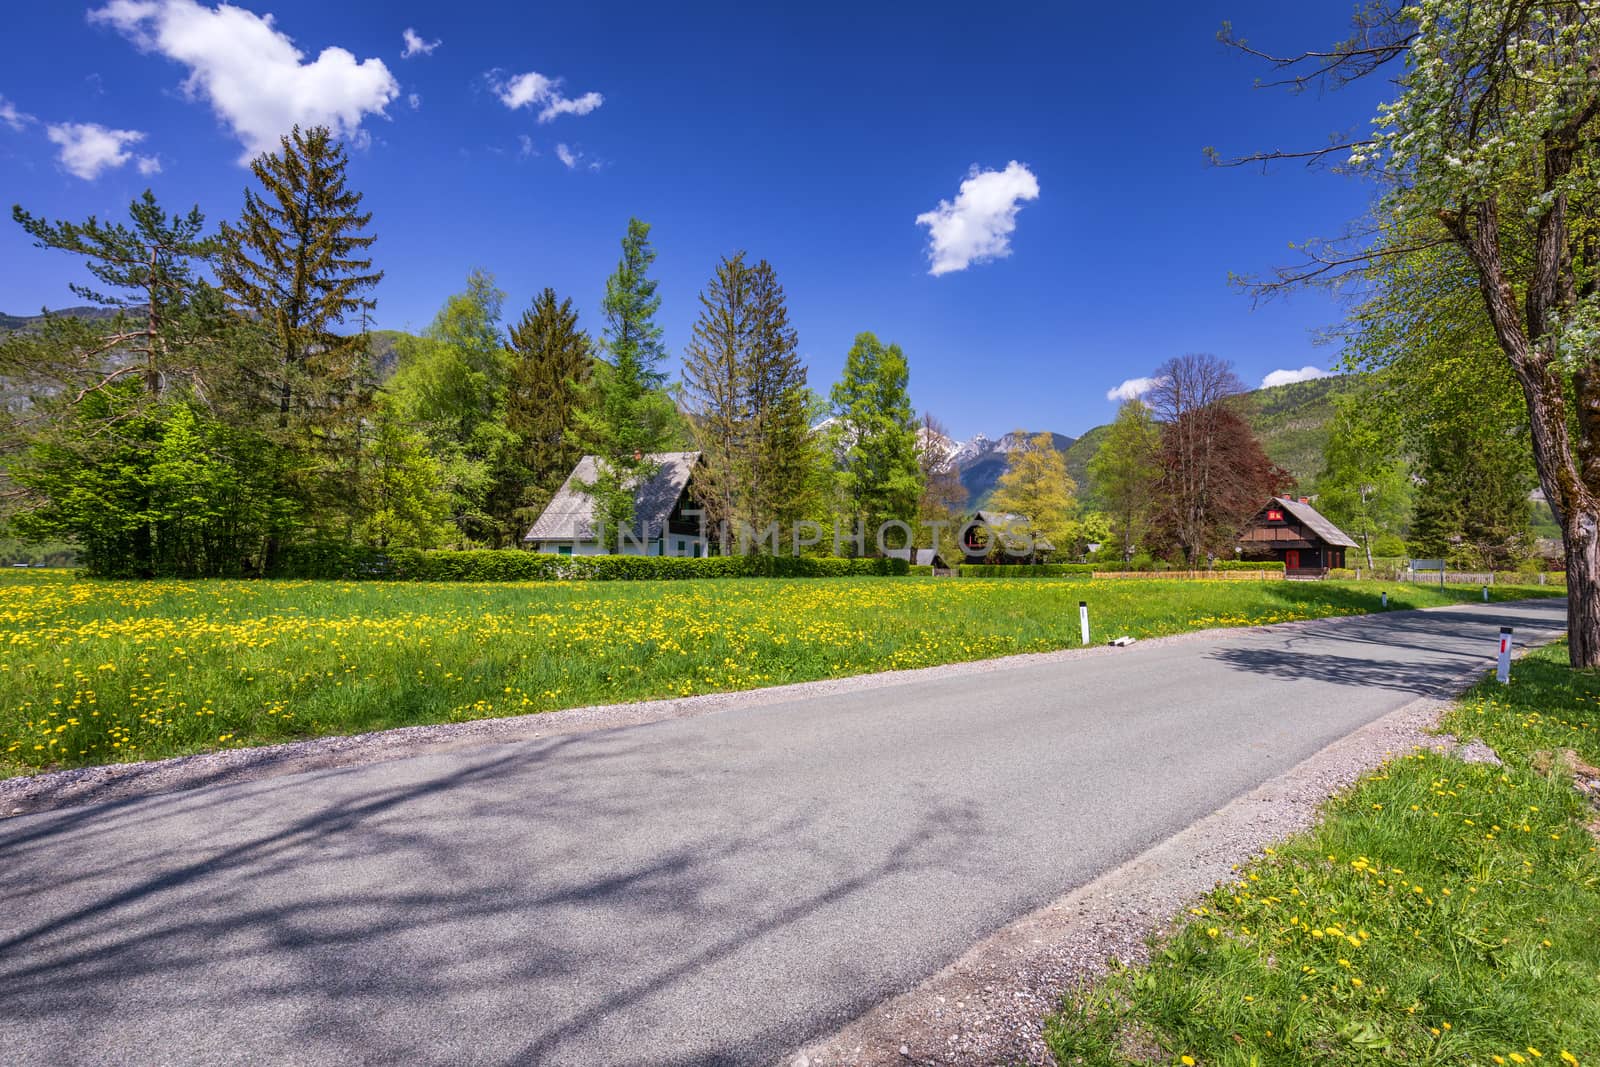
[
  {"x": 1441, "y": 913},
  {"x": 101, "y": 672}
]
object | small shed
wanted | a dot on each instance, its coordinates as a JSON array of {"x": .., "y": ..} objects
[
  {"x": 921, "y": 557},
  {"x": 1290, "y": 531}
]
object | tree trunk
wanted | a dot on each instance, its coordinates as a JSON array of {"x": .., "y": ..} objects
[{"x": 1583, "y": 587}]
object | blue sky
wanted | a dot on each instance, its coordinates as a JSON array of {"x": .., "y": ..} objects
[{"x": 813, "y": 135}]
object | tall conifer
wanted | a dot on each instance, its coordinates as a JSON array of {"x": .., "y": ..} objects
[{"x": 551, "y": 364}]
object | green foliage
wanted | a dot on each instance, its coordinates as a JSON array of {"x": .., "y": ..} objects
[
  {"x": 1024, "y": 570},
  {"x": 404, "y": 500},
  {"x": 879, "y": 477},
  {"x": 627, "y": 417},
  {"x": 295, "y": 262},
  {"x": 1440, "y": 912},
  {"x": 173, "y": 493},
  {"x": 1248, "y": 565},
  {"x": 551, "y": 363},
  {"x": 452, "y": 385},
  {"x": 501, "y": 565},
  {"x": 1125, "y": 476}
]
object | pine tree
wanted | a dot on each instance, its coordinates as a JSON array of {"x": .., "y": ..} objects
[
  {"x": 879, "y": 479},
  {"x": 551, "y": 364},
  {"x": 144, "y": 270},
  {"x": 295, "y": 262},
  {"x": 627, "y": 417}
]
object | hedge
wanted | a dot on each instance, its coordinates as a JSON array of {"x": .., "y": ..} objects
[
  {"x": 1247, "y": 565},
  {"x": 1024, "y": 570},
  {"x": 511, "y": 565}
]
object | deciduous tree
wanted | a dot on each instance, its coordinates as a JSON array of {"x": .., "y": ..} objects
[
  {"x": 1037, "y": 487},
  {"x": 876, "y": 432},
  {"x": 1125, "y": 476}
]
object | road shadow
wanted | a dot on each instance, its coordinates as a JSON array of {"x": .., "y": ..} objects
[{"x": 365, "y": 928}]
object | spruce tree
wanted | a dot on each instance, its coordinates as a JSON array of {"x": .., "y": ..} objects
[
  {"x": 551, "y": 364},
  {"x": 781, "y": 445},
  {"x": 627, "y": 417},
  {"x": 296, "y": 261},
  {"x": 716, "y": 375}
]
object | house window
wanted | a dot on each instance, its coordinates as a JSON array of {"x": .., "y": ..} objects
[
  {"x": 1274, "y": 514},
  {"x": 564, "y": 550}
]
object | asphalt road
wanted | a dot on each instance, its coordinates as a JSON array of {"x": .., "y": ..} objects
[{"x": 709, "y": 891}]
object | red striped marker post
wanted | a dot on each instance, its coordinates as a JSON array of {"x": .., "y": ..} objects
[{"x": 1503, "y": 670}]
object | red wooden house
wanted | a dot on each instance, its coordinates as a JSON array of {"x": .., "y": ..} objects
[{"x": 1292, "y": 532}]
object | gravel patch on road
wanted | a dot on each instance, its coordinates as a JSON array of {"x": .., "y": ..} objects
[
  {"x": 987, "y": 1007},
  {"x": 125, "y": 781}
]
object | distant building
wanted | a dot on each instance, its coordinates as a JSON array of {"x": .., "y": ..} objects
[
  {"x": 663, "y": 519},
  {"x": 975, "y": 539},
  {"x": 1290, "y": 531},
  {"x": 920, "y": 557}
]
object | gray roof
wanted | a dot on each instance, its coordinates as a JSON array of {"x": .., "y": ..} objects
[
  {"x": 1316, "y": 522},
  {"x": 925, "y": 556},
  {"x": 570, "y": 514}
]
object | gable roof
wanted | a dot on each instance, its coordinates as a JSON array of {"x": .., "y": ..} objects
[
  {"x": 1316, "y": 522},
  {"x": 925, "y": 557},
  {"x": 570, "y": 514}
]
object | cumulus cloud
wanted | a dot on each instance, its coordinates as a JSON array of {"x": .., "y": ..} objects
[
  {"x": 12, "y": 117},
  {"x": 1288, "y": 377},
  {"x": 568, "y": 156},
  {"x": 87, "y": 148},
  {"x": 416, "y": 46},
  {"x": 536, "y": 90},
  {"x": 253, "y": 76},
  {"x": 1132, "y": 389},
  {"x": 976, "y": 227}
]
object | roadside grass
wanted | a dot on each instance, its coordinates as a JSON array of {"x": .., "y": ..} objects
[
  {"x": 99, "y": 672},
  {"x": 1441, "y": 913}
]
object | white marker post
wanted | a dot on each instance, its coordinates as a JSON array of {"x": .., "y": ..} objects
[
  {"x": 1083, "y": 620},
  {"x": 1485, "y": 594},
  {"x": 1503, "y": 670},
  {"x": 1386, "y": 600}
]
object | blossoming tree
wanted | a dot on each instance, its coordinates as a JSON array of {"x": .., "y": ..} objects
[{"x": 1489, "y": 159}]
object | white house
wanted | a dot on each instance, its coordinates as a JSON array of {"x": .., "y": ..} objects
[{"x": 665, "y": 522}]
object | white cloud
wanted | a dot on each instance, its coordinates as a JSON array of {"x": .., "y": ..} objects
[
  {"x": 88, "y": 148},
  {"x": 977, "y": 226},
  {"x": 416, "y": 46},
  {"x": 12, "y": 117},
  {"x": 534, "y": 89},
  {"x": 149, "y": 165},
  {"x": 254, "y": 77},
  {"x": 526, "y": 144},
  {"x": 1287, "y": 377},
  {"x": 415, "y": 100},
  {"x": 1132, "y": 389},
  {"x": 568, "y": 156}
]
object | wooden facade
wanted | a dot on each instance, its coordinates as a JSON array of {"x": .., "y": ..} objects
[{"x": 1292, "y": 532}]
